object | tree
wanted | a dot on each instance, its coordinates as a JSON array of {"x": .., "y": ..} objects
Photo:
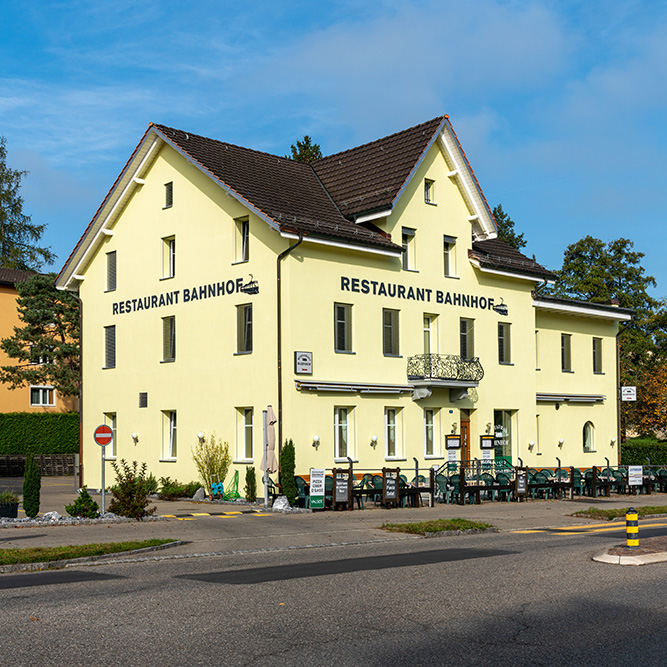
[
  {"x": 505, "y": 226},
  {"x": 46, "y": 347},
  {"x": 287, "y": 467},
  {"x": 32, "y": 484},
  {"x": 306, "y": 151},
  {"x": 600, "y": 273},
  {"x": 18, "y": 235}
]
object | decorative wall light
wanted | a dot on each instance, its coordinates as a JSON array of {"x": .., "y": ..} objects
[
  {"x": 531, "y": 444},
  {"x": 454, "y": 427},
  {"x": 135, "y": 437},
  {"x": 200, "y": 436},
  {"x": 316, "y": 441},
  {"x": 488, "y": 428},
  {"x": 613, "y": 441},
  {"x": 374, "y": 441},
  {"x": 561, "y": 442}
]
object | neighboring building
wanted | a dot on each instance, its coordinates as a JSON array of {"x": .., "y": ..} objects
[
  {"x": 41, "y": 398},
  {"x": 364, "y": 296}
]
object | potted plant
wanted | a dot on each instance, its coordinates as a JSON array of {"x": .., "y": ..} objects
[{"x": 9, "y": 504}]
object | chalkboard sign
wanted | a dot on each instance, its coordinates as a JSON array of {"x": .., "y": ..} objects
[
  {"x": 390, "y": 486},
  {"x": 521, "y": 483},
  {"x": 342, "y": 487}
]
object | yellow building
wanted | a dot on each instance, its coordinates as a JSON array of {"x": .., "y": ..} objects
[
  {"x": 364, "y": 296},
  {"x": 34, "y": 398}
]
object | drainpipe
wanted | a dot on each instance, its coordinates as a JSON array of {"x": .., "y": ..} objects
[{"x": 279, "y": 337}]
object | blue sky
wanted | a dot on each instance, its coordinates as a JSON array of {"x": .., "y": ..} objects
[{"x": 560, "y": 106}]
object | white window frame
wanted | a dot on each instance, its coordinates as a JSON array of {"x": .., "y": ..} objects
[
  {"x": 245, "y": 434},
  {"x": 537, "y": 350},
  {"x": 566, "y": 352},
  {"x": 588, "y": 437},
  {"x": 393, "y": 427},
  {"x": 244, "y": 333},
  {"x": 168, "y": 257},
  {"x": 468, "y": 336},
  {"x": 429, "y": 191},
  {"x": 436, "y": 449},
  {"x": 111, "y": 419},
  {"x": 343, "y": 426},
  {"x": 343, "y": 325},
  {"x": 430, "y": 333},
  {"x": 169, "y": 435},
  {"x": 449, "y": 256},
  {"x": 168, "y": 195},
  {"x": 241, "y": 240},
  {"x": 409, "y": 244},
  {"x": 168, "y": 339},
  {"x": 391, "y": 337},
  {"x": 504, "y": 343},
  {"x": 44, "y": 391},
  {"x": 507, "y": 417}
]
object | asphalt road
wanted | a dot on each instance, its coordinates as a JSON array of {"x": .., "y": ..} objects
[{"x": 485, "y": 599}]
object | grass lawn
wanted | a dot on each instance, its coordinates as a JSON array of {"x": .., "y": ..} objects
[
  {"x": 435, "y": 526},
  {"x": 600, "y": 514},
  {"x": 45, "y": 554}
]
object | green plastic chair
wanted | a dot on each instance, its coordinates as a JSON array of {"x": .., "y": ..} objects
[{"x": 303, "y": 497}]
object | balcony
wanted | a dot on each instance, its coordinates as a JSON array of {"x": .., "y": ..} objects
[{"x": 426, "y": 371}]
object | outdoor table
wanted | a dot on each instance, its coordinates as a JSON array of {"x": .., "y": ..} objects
[{"x": 411, "y": 493}]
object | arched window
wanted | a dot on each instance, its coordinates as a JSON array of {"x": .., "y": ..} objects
[{"x": 589, "y": 439}]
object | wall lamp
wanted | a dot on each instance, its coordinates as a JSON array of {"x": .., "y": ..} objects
[
  {"x": 531, "y": 444},
  {"x": 316, "y": 441},
  {"x": 374, "y": 441},
  {"x": 201, "y": 437},
  {"x": 561, "y": 442},
  {"x": 135, "y": 437},
  {"x": 613, "y": 441},
  {"x": 454, "y": 427},
  {"x": 488, "y": 428}
]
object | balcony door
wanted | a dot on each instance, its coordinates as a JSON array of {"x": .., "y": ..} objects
[{"x": 465, "y": 435}]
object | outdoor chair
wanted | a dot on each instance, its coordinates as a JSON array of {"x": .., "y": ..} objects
[
  {"x": 504, "y": 480},
  {"x": 303, "y": 497}
]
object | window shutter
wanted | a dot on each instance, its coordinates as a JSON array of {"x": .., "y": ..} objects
[
  {"x": 111, "y": 271},
  {"x": 110, "y": 347},
  {"x": 168, "y": 338}
]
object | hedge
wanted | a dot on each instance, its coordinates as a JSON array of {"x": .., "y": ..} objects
[
  {"x": 635, "y": 452},
  {"x": 39, "y": 433}
]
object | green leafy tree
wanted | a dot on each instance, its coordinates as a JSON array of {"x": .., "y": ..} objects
[
  {"x": 32, "y": 484},
  {"x": 601, "y": 272},
  {"x": 212, "y": 459},
  {"x": 306, "y": 150},
  {"x": 287, "y": 467},
  {"x": 18, "y": 235},
  {"x": 506, "y": 232},
  {"x": 46, "y": 347}
]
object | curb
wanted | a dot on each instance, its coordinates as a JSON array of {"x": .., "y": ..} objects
[
  {"x": 452, "y": 533},
  {"x": 646, "y": 559},
  {"x": 60, "y": 564}
]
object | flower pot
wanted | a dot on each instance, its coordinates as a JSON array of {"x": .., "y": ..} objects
[{"x": 9, "y": 510}]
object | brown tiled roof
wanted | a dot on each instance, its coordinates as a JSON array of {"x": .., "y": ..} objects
[
  {"x": 496, "y": 254},
  {"x": 285, "y": 191},
  {"x": 13, "y": 276},
  {"x": 369, "y": 177}
]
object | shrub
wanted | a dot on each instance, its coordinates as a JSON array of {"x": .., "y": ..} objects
[
  {"x": 32, "y": 483},
  {"x": 84, "y": 506},
  {"x": 8, "y": 497},
  {"x": 250, "y": 484},
  {"x": 191, "y": 488},
  {"x": 636, "y": 452},
  {"x": 212, "y": 459},
  {"x": 287, "y": 466},
  {"x": 39, "y": 433},
  {"x": 131, "y": 491},
  {"x": 152, "y": 483}
]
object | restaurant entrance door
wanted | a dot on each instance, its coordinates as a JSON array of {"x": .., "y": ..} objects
[{"x": 465, "y": 435}]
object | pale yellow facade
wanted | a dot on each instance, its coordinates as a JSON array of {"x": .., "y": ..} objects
[{"x": 357, "y": 402}]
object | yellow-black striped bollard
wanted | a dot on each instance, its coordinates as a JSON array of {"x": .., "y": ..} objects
[{"x": 632, "y": 528}]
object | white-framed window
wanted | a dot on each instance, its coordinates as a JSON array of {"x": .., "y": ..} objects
[
  {"x": 503, "y": 434},
  {"x": 111, "y": 271},
  {"x": 244, "y": 328},
  {"x": 467, "y": 338},
  {"x": 430, "y": 337},
  {"x": 449, "y": 255},
  {"x": 241, "y": 240},
  {"x": 110, "y": 419},
  {"x": 538, "y": 432},
  {"x": 409, "y": 249},
  {"x": 537, "y": 350},
  {"x": 342, "y": 327},
  {"x": 589, "y": 437},
  {"x": 37, "y": 359},
  {"x": 245, "y": 434},
  {"x": 168, "y": 257},
  {"x": 343, "y": 443},
  {"x": 566, "y": 353},
  {"x": 169, "y": 439},
  {"x": 168, "y": 338},
  {"x": 390, "y": 334},
  {"x": 168, "y": 194},
  {"x": 110, "y": 346},
  {"x": 597, "y": 355},
  {"x": 504, "y": 343},
  {"x": 429, "y": 191},
  {"x": 393, "y": 433},
  {"x": 42, "y": 396},
  {"x": 431, "y": 442}
]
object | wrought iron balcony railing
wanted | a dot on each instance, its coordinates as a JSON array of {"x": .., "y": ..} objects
[{"x": 444, "y": 367}]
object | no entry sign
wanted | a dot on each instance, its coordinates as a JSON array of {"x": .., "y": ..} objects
[{"x": 103, "y": 435}]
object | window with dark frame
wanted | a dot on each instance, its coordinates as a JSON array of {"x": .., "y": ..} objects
[
  {"x": 597, "y": 355},
  {"x": 504, "y": 343},
  {"x": 110, "y": 346},
  {"x": 111, "y": 271},
  {"x": 168, "y": 194},
  {"x": 169, "y": 338},
  {"x": 566, "y": 353},
  {"x": 467, "y": 338},
  {"x": 244, "y": 328},
  {"x": 390, "y": 333},
  {"x": 449, "y": 255},
  {"x": 242, "y": 240},
  {"x": 342, "y": 327}
]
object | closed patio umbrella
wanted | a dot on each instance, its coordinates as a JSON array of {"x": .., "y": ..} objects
[{"x": 269, "y": 461}]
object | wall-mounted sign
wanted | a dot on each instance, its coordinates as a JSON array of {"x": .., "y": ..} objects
[
  {"x": 453, "y": 441},
  {"x": 486, "y": 442},
  {"x": 452, "y": 454},
  {"x": 303, "y": 363},
  {"x": 487, "y": 454},
  {"x": 628, "y": 393}
]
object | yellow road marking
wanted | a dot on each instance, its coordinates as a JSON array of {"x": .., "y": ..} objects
[
  {"x": 522, "y": 532},
  {"x": 199, "y": 514},
  {"x": 260, "y": 514},
  {"x": 185, "y": 518},
  {"x": 169, "y": 516},
  {"x": 225, "y": 516},
  {"x": 228, "y": 513}
]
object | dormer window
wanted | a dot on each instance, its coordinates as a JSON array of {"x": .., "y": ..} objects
[{"x": 429, "y": 191}]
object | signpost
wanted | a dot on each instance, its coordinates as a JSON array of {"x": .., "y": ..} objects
[{"x": 103, "y": 436}]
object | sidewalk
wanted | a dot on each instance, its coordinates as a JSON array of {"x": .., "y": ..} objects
[{"x": 233, "y": 532}]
